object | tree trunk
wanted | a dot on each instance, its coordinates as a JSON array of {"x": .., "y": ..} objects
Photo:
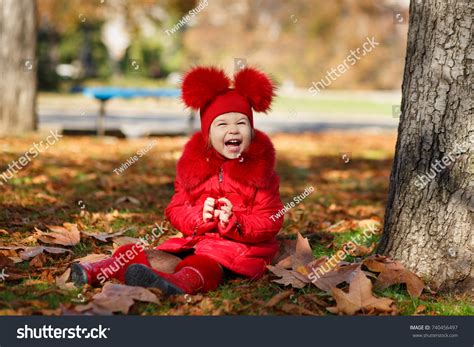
[
  {"x": 429, "y": 221},
  {"x": 17, "y": 66}
]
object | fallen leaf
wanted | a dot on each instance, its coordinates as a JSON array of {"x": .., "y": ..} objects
[
  {"x": 131, "y": 199},
  {"x": 337, "y": 275},
  {"x": 67, "y": 235},
  {"x": 297, "y": 310},
  {"x": 303, "y": 255},
  {"x": 61, "y": 281},
  {"x": 123, "y": 240},
  {"x": 38, "y": 261},
  {"x": 48, "y": 198},
  {"x": 360, "y": 250},
  {"x": 359, "y": 298},
  {"x": 393, "y": 272},
  {"x": 278, "y": 297},
  {"x": 420, "y": 308},
  {"x": 30, "y": 252},
  {"x": 104, "y": 237},
  {"x": 5, "y": 261},
  {"x": 346, "y": 225},
  {"x": 390, "y": 277},
  {"x": 91, "y": 258},
  {"x": 286, "y": 263},
  {"x": 118, "y": 298},
  {"x": 288, "y": 277},
  {"x": 287, "y": 248}
]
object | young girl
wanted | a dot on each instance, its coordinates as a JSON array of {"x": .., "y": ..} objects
[{"x": 226, "y": 190}]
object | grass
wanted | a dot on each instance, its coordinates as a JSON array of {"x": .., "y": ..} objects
[{"x": 75, "y": 169}]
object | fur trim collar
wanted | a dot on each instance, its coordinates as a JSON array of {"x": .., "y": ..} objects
[{"x": 199, "y": 162}]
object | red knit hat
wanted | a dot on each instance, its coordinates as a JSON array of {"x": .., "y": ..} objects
[{"x": 209, "y": 90}]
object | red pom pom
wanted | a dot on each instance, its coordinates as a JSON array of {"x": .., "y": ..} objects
[
  {"x": 202, "y": 84},
  {"x": 256, "y": 87}
]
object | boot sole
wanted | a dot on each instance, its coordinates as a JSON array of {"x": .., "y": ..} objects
[
  {"x": 140, "y": 275},
  {"x": 78, "y": 275}
]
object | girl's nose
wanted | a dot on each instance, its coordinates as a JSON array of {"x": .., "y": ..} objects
[{"x": 234, "y": 129}]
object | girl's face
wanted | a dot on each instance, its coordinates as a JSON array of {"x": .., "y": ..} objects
[{"x": 230, "y": 134}]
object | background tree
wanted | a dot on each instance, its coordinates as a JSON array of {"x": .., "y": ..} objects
[
  {"x": 17, "y": 66},
  {"x": 429, "y": 220}
]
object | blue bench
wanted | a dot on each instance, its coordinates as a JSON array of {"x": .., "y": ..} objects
[{"x": 104, "y": 94}]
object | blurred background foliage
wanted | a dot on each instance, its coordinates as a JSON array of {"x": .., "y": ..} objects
[{"x": 297, "y": 41}]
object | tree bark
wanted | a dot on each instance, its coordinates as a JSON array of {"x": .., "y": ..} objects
[
  {"x": 17, "y": 66},
  {"x": 428, "y": 220}
]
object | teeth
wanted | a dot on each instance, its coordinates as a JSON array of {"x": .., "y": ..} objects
[{"x": 233, "y": 142}]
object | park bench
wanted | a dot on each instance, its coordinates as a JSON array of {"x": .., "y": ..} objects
[{"x": 104, "y": 94}]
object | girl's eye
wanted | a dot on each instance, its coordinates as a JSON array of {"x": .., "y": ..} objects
[
  {"x": 241, "y": 123},
  {"x": 220, "y": 124}
]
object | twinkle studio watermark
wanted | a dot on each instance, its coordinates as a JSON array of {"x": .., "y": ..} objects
[
  {"x": 289, "y": 205},
  {"x": 185, "y": 19},
  {"x": 134, "y": 158}
]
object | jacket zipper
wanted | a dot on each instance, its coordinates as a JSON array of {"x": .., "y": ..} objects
[
  {"x": 220, "y": 174},
  {"x": 237, "y": 225}
]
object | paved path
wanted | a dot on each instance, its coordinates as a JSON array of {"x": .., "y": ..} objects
[{"x": 173, "y": 123}]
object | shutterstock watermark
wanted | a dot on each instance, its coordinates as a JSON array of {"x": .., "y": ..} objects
[
  {"x": 3, "y": 275},
  {"x": 296, "y": 200},
  {"x": 348, "y": 247},
  {"x": 123, "y": 259},
  {"x": 350, "y": 60},
  {"x": 25, "y": 159},
  {"x": 440, "y": 165},
  {"x": 184, "y": 20},
  {"x": 134, "y": 158},
  {"x": 48, "y": 332}
]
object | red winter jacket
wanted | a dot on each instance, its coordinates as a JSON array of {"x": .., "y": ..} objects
[{"x": 248, "y": 242}]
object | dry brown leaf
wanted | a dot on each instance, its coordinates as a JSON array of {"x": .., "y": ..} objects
[
  {"x": 393, "y": 272},
  {"x": 67, "y": 235},
  {"x": 61, "y": 281},
  {"x": 302, "y": 256},
  {"x": 38, "y": 261},
  {"x": 48, "y": 198},
  {"x": 337, "y": 275},
  {"x": 359, "y": 298},
  {"x": 5, "y": 261},
  {"x": 346, "y": 225},
  {"x": 118, "y": 298},
  {"x": 420, "y": 308},
  {"x": 287, "y": 248},
  {"x": 390, "y": 277},
  {"x": 123, "y": 240},
  {"x": 91, "y": 258},
  {"x": 297, "y": 310},
  {"x": 30, "y": 252},
  {"x": 131, "y": 199},
  {"x": 288, "y": 277},
  {"x": 285, "y": 263},
  {"x": 359, "y": 250},
  {"x": 278, "y": 297},
  {"x": 104, "y": 237}
]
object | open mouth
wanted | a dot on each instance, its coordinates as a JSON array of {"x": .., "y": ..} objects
[{"x": 233, "y": 145}]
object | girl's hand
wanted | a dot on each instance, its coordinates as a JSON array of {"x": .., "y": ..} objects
[
  {"x": 208, "y": 210},
  {"x": 225, "y": 211}
]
